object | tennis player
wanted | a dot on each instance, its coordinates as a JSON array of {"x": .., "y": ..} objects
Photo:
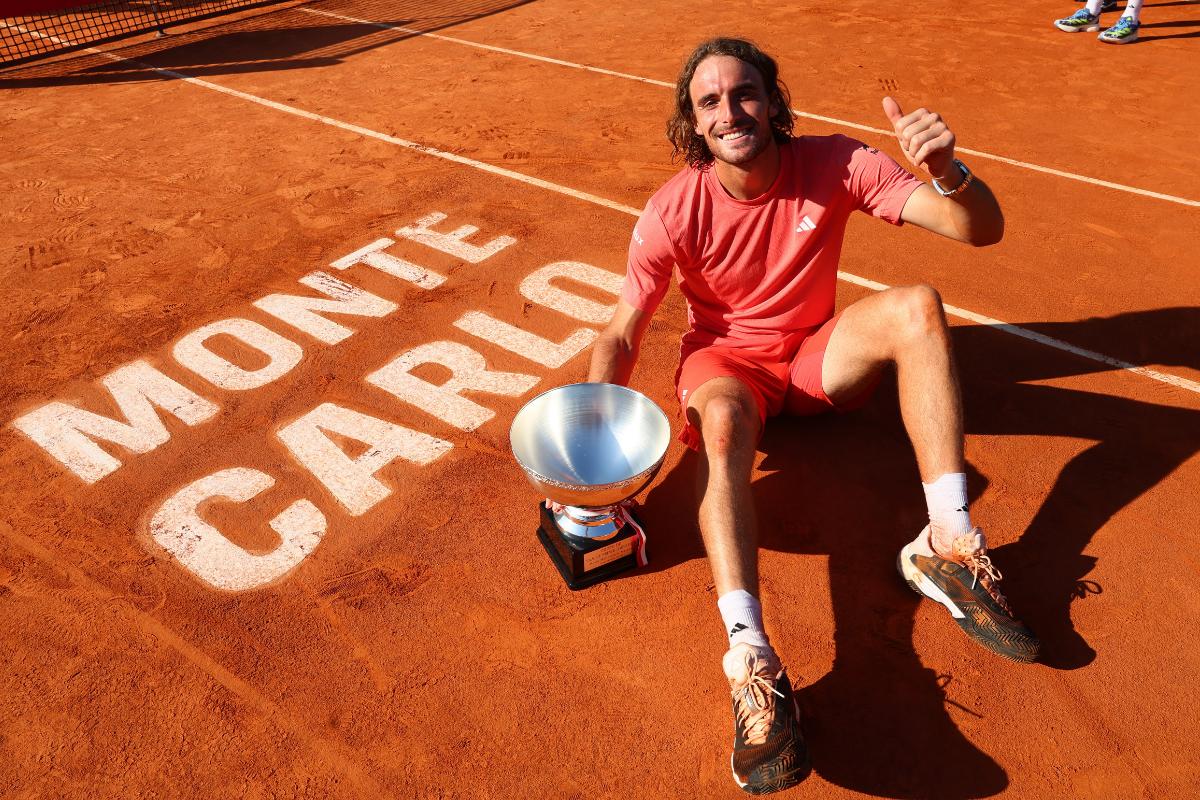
[{"x": 753, "y": 228}]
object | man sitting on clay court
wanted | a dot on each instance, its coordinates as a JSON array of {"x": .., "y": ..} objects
[{"x": 754, "y": 227}]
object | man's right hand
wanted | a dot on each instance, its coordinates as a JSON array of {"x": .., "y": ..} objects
[{"x": 927, "y": 142}]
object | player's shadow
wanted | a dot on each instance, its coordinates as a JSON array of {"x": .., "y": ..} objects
[
  {"x": 846, "y": 488},
  {"x": 1133, "y": 445}
]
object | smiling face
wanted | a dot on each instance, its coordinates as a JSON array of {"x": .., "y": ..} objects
[{"x": 732, "y": 110}]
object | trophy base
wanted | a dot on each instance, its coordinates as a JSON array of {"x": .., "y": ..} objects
[{"x": 585, "y": 562}]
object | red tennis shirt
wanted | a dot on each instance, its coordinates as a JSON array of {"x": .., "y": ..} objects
[{"x": 755, "y": 271}]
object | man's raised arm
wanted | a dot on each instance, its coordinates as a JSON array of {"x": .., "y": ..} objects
[
  {"x": 616, "y": 350},
  {"x": 966, "y": 210}
]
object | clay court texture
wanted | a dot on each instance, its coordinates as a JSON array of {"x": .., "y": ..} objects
[{"x": 276, "y": 285}]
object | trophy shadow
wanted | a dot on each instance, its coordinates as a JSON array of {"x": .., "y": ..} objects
[{"x": 847, "y": 488}]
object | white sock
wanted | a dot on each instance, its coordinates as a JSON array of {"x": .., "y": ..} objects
[
  {"x": 1093, "y": 7},
  {"x": 1133, "y": 8},
  {"x": 948, "y": 513},
  {"x": 742, "y": 614}
]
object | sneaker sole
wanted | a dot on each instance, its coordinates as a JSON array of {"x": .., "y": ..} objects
[
  {"x": 1069, "y": 29},
  {"x": 924, "y": 587},
  {"x": 787, "y": 780},
  {"x": 1126, "y": 40}
]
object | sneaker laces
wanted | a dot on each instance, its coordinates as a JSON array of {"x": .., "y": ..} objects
[
  {"x": 982, "y": 563},
  {"x": 754, "y": 704},
  {"x": 972, "y": 554}
]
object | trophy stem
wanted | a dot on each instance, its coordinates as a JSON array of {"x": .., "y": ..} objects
[{"x": 589, "y": 523}]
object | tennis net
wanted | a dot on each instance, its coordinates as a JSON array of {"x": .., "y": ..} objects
[{"x": 31, "y": 29}]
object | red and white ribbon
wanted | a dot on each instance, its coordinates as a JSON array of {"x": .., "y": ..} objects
[{"x": 628, "y": 519}]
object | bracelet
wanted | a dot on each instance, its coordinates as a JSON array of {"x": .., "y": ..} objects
[{"x": 966, "y": 180}]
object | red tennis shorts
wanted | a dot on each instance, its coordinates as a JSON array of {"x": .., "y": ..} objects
[{"x": 783, "y": 379}]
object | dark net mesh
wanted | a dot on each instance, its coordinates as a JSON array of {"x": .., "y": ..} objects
[{"x": 49, "y": 27}]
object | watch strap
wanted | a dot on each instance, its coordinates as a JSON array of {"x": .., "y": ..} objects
[{"x": 967, "y": 177}]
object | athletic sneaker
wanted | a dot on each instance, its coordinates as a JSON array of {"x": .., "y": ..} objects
[
  {"x": 1081, "y": 20},
  {"x": 1124, "y": 32},
  {"x": 965, "y": 583},
  {"x": 769, "y": 753}
]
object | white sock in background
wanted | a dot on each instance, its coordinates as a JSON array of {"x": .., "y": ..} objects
[
  {"x": 742, "y": 614},
  {"x": 1093, "y": 7},
  {"x": 948, "y": 513},
  {"x": 1133, "y": 8}
]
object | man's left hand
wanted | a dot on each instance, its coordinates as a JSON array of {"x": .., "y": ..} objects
[{"x": 925, "y": 140}]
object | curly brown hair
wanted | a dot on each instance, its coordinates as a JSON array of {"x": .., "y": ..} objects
[{"x": 681, "y": 128}]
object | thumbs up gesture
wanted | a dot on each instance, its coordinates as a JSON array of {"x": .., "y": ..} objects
[{"x": 925, "y": 140}]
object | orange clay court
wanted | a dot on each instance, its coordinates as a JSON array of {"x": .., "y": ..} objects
[{"x": 283, "y": 224}]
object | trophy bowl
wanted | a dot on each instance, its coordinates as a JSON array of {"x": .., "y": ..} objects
[{"x": 590, "y": 447}]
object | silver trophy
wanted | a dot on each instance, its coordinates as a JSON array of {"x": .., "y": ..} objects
[{"x": 589, "y": 448}]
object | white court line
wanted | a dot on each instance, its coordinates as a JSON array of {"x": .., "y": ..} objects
[
  {"x": 953, "y": 311},
  {"x": 831, "y": 120}
]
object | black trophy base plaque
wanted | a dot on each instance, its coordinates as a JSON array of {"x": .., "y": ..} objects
[{"x": 585, "y": 562}]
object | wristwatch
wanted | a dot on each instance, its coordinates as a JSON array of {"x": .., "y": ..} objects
[{"x": 967, "y": 177}]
